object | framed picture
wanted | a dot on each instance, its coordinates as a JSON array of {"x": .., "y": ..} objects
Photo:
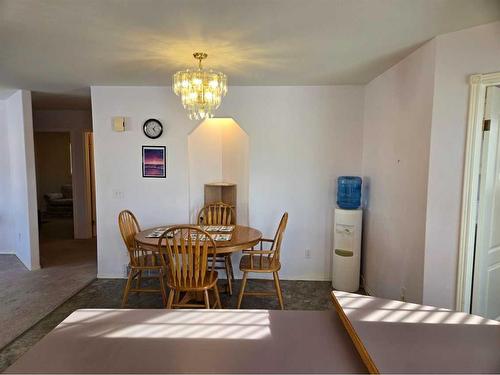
[{"x": 154, "y": 161}]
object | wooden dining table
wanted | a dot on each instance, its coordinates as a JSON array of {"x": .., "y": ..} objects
[{"x": 242, "y": 238}]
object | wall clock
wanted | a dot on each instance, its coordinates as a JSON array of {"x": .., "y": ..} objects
[{"x": 152, "y": 128}]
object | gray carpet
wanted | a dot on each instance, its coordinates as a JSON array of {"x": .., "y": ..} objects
[
  {"x": 27, "y": 296},
  {"x": 106, "y": 293}
]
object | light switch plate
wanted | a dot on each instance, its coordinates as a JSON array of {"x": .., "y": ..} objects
[{"x": 118, "y": 194}]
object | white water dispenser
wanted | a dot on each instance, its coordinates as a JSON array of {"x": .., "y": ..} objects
[{"x": 346, "y": 257}]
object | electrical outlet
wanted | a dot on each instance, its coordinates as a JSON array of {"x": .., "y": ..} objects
[
  {"x": 308, "y": 254},
  {"x": 403, "y": 294}
]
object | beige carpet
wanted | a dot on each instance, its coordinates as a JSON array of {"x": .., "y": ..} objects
[{"x": 27, "y": 296}]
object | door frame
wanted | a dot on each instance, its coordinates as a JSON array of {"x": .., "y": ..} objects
[
  {"x": 90, "y": 181},
  {"x": 477, "y": 96}
]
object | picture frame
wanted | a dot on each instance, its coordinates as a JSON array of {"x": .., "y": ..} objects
[{"x": 154, "y": 161}]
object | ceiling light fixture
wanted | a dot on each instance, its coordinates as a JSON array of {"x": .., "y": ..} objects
[{"x": 201, "y": 91}]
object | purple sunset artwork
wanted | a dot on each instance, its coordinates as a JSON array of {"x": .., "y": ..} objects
[{"x": 153, "y": 161}]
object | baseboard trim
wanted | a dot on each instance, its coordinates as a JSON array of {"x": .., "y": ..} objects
[
  {"x": 110, "y": 276},
  {"x": 237, "y": 274}
]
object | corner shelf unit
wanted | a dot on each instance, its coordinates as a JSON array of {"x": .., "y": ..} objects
[{"x": 221, "y": 192}]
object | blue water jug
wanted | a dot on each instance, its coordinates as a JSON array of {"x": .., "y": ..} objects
[{"x": 349, "y": 192}]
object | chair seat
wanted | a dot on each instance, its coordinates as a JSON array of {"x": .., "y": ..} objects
[
  {"x": 259, "y": 264},
  {"x": 207, "y": 284}
]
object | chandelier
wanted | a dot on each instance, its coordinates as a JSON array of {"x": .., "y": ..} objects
[{"x": 201, "y": 91}]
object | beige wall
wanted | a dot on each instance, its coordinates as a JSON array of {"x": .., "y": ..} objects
[
  {"x": 53, "y": 163},
  {"x": 396, "y": 137}
]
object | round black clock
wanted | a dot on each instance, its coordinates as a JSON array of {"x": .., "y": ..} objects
[{"x": 152, "y": 128}]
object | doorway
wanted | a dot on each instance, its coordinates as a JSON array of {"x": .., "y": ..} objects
[
  {"x": 68, "y": 251},
  {"x": 479, "y": 268},
  {"x": 64, "y": 162},
  {"x": 54, "y": 190},
  {"x": 486, "y": 272},
  {"x": 62, "y": 126}
]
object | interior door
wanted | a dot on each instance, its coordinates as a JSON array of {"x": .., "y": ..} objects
[
  {"x": 486, "y": 281},
  {"x": 90, "y": 179}
]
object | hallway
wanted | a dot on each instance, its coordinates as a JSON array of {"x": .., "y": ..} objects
[{"x": 68, "y": 265}]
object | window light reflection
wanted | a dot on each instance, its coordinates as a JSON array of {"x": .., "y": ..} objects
[
  {"x": 368, "y": 309},
  {"x": 384, "y": 314},
  {"x": 181, "y": 324}
]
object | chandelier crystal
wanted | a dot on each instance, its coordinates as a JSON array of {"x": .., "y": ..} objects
[{"x": 201, "y": 91}]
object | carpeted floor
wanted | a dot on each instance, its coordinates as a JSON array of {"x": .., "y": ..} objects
[
  {"x": 106, "y": 293},
  {"x": 68, "y": 265}
]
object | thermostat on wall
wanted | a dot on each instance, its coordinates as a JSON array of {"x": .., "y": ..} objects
[{"x": 119, "y": 124}]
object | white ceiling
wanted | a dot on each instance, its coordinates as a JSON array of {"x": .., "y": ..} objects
[{"x": 66, "y": 46}]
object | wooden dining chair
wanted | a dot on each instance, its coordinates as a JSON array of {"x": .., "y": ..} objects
[
  {"x": 264, "y": 261},
  {"x": 188, "y": 249},
  {"x": 142, "y": 259},
  {"x": 220, "y": 214}
]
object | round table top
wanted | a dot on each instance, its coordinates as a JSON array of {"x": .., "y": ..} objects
[{"x": 242, "y": 238}]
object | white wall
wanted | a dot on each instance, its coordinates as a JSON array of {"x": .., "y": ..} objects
[
  {"x": 20, "y": 224},
  {"x": 458, "y": 55},
  {"x": 118, "y": 158},
  {"x": 301, "y": 139},
  {"x": 396, "y": 137},
  {"x": 77, "y": 122},
  {"x": 7, "y": 244},
  {"x": 235, "y": 165},
  {"x": 205, "y": 163}
]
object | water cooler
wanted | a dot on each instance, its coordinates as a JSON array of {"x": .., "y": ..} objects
[{"x": 346, "y": 257}]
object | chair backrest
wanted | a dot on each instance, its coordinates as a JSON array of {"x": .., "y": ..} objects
[
  {"x": 278, "y": 237},
  {"x": 191, "y": 255},
  {"x": 129, "y": 227},
  {"x": 217, "y": 214}
]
